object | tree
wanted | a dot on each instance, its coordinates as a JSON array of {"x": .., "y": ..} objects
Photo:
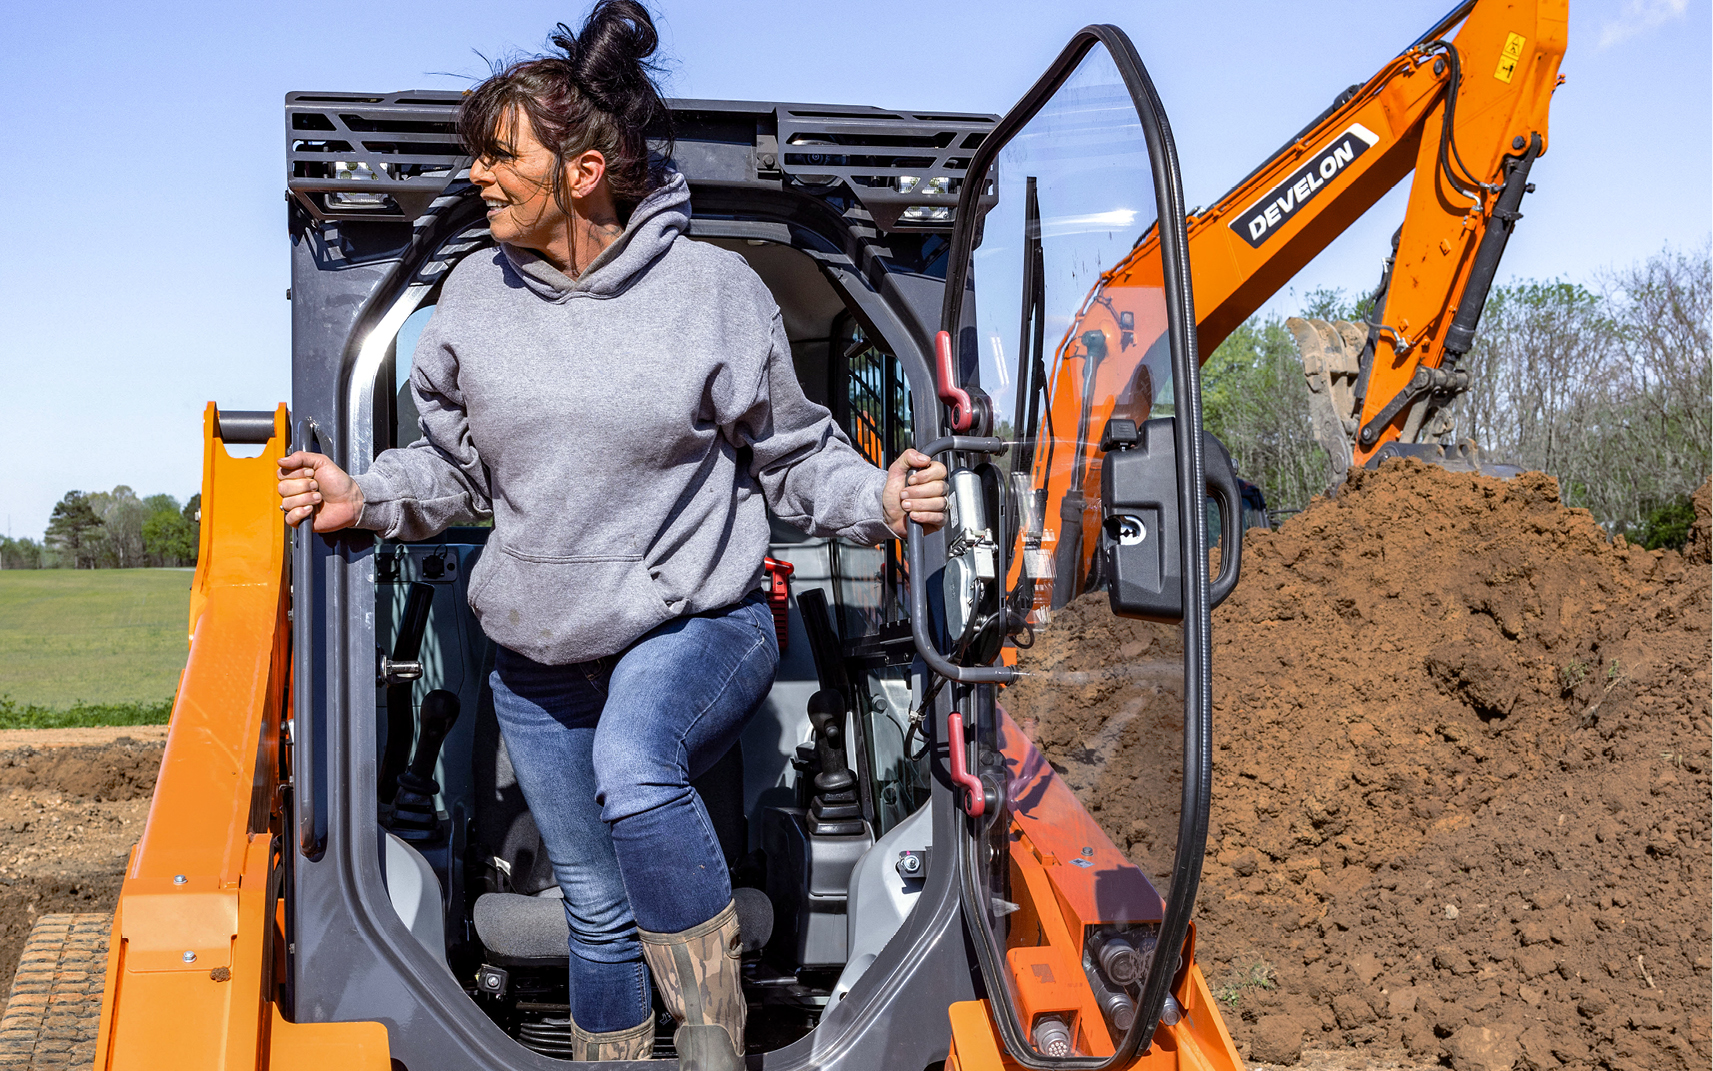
[
  {"x": 1611, "y": 392},
  {"x": 169, "y": 536},
  {"x": 122, "y": 515},
  {"x": 1255, "y": 400},
  {"x": 1664, "y": 374},
  {"x": 20, "y": 553},
  {"x": 193, "y": 517},
  {"x": 74, "y": 529}
]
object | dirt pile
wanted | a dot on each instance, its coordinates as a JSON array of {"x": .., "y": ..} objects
[
  {"x": 68, "y": 819},
  {"x": 1461, "y": 785},
  {"x": 123, "y": 770}
]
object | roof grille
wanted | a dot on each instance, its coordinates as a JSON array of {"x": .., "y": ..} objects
[
  {"x": 913, "y": 186},
  {"x": 382, "y": 157},
  {"x": 386, "y": 157}
]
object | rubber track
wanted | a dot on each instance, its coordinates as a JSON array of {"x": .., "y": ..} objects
[{"x": 55, "y": 1007}]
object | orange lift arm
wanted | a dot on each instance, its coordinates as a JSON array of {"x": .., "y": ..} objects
[
  {"x": 192, "y": 960},
  {"x": 1469, "y": 116}
]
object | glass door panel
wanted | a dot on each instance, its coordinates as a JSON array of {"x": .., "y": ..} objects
[{"x": 1071, "y": 338}]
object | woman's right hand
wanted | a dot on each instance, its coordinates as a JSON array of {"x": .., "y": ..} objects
[{"x": 312, "y": 485}]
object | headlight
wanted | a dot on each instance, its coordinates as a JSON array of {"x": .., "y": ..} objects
[
  {"x": 355, "y": 169},
  {"x": 928, "y": 214}
]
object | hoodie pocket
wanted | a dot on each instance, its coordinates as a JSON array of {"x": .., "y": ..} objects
[{"x": 564, "y": 609}]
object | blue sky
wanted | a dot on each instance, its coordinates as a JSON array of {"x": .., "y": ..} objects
[{"x": 146, "y": 262}]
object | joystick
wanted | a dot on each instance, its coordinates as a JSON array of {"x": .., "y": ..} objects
[
  {"x": 835, "y": 811},
  {"x": 414, "y": 817}
]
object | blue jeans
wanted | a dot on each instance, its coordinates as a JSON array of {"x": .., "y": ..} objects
[{"x": 604, "y": 752}]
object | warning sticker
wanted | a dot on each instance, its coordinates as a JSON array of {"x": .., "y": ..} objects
[{"x": 1509, "y": 57}]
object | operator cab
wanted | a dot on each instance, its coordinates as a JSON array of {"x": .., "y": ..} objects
[
  {"x": 903, "y": 840},
  {"x": 827, "y": 769},
  {"x": 819, "y": 808}
]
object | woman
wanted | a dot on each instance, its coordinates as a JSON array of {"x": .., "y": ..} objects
[{"x": 621, "y": 400}]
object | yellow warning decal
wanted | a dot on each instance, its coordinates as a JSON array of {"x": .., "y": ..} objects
[{"x": 1510, "y": 56}]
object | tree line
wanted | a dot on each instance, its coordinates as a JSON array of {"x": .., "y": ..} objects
[
  {"x": 1607, "y": 387},
  {"x": 111, "y": 530}
]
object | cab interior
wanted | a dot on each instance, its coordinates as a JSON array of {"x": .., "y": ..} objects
[{"x": 819, "y": 806}]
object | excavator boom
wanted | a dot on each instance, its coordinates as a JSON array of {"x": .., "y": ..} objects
[
  {"x": 1468, "y": 115},
  {"x": 1498, "y": 73}
]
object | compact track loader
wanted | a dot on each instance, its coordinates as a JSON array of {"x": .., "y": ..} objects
[{"x": 339, "y": 868}]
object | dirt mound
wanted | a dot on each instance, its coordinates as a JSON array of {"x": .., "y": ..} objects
[
  {"x": 123, "y": 770},
  {"x": 68, "y": 819},
  {"x": 1461, "y": 785}
]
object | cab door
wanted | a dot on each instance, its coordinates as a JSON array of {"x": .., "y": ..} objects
[{"x": 1063, "y": 611}]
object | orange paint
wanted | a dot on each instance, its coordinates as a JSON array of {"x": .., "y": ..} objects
[{"x": 191, "y": 964}]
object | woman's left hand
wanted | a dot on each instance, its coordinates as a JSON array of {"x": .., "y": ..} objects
[{"x": 916, "y": 491}]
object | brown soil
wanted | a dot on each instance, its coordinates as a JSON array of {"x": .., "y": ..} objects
[
  {"x": 68, "y": 819},
  {"x": 1461, "y": 779}
]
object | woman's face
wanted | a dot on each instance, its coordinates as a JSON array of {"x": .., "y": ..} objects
[{"x": 517, "y": 187}]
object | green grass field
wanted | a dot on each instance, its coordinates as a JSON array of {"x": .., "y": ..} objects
[{"x": 91, "y": 646}]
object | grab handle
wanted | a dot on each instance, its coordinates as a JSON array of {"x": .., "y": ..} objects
[
  {"x": 973, "y": 797},
  {"x": 946, "y": 384}
]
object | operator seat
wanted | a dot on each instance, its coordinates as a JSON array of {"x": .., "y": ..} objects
[{"x": 520, "y": 919}]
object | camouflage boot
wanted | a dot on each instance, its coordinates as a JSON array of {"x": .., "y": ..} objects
[
  {"x": 637, "y": 1043},
  {"x": 697, "y": 974}
]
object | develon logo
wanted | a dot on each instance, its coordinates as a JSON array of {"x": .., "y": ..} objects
[{"x": 1258, "y": 223}]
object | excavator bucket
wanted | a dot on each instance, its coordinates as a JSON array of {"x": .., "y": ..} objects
[{"x": 1331, "y": 354}]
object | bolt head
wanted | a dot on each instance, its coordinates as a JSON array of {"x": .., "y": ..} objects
[
  {"x": 1518, "y": 142},
  {"x": 179, "y": 879},
  {"x": 911, "y": 864},
  {"x": 190, "y": 957},
  {"x": 1088, "y": 851}
]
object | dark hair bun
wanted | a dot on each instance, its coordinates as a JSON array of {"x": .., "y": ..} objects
[{"x": 609, "y": 60}]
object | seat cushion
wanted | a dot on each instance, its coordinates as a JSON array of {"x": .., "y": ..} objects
[{"x": 515, "y": 927}]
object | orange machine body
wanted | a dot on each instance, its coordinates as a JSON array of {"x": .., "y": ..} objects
[
  {"x": 1248, "y": 245},
  {"x": 1057, "y": 905},
  {"x": 196, "y": 935}
]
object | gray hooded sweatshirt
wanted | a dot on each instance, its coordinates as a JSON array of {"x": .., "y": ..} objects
[{"x": 623, "y": 430}]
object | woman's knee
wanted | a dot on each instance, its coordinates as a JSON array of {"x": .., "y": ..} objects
[{"x": 636, "y": 773}]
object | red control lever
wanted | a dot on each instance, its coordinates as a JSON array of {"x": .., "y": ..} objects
[
  {"x": 946, "y": 384},
  {"x": 975, "y": 793},
  {"x": 779, "y": 595}
]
